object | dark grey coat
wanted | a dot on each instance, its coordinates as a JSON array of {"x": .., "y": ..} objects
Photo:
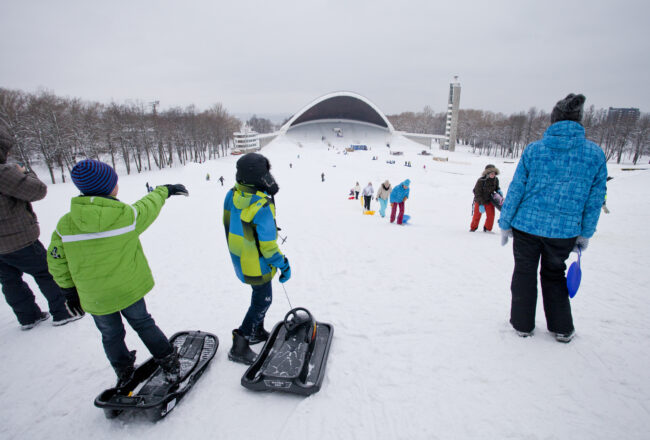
[{"x": 18, "y": 223}]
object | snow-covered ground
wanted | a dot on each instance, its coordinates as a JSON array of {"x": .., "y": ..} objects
[{"x": 422, "y": 346}]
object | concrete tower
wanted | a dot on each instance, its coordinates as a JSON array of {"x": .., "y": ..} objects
[{"x": 451, "y": 129}]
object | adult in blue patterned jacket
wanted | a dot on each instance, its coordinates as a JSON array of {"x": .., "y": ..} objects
[{"x": 552, "y": 207}]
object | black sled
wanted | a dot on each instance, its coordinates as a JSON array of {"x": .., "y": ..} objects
[
  {"x": 149, "y": 392},
  {"x": 293, "y": 359}
]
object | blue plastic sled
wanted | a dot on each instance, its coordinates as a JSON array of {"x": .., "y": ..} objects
[
  {"x": 573, "y": 276},
  {"x": 406, "y": 219}
]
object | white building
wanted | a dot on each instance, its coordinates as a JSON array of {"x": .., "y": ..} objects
[{"x": 246, "y": 140}]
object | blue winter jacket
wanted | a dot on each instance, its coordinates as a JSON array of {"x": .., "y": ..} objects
[
  {"x": 559, "y": 185},
  {"x": 399, "y": 192},
  {"x": 249, "y": 222}
]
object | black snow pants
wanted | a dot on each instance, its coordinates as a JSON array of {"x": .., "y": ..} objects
[{"x": 528, "y": 249}]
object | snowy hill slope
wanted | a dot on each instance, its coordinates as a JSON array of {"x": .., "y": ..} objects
[{"x": 422, "y": 345}]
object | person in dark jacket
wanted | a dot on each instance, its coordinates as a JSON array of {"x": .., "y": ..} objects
[
  {"x": 487, "y": 184},
  {"x": 20, "y": 249},
  {"x": 552, "y": 208}
]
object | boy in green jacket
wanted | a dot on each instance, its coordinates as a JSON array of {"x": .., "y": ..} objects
[{"x": 97, "y": 259}]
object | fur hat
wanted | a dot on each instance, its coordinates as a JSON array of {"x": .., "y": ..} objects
[
  {"x": 255, "y": 170},
  {"x": 568, "y": 109},
  {"x": 94, "y": 178},
  {"x": 490, "y": 169},
  {"x": 6, "y": 144}
]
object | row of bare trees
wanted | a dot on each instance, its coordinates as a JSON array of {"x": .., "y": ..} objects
[
  {"x": 59, "y": 131},
  {"x": 261, "y": 125},
  {"x": 497, "y": 134},
  {"x": 424, "y": 122}
]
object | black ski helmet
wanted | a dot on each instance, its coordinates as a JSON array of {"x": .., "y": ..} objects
[{"x": 255, "y": 170}]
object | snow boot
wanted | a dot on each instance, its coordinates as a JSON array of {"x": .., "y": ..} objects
[
  {"x": 171, "y": 366},
  {"x": 31, "y": 325},
  {"x": 259, "y": 335},
  {"x": 66, "y": 319},
  {"x": 124, "y": 375},
  {"x": 523, "y": 334},
  {"x": 565, "y": 337},
  {"x": 241, "y": 351}
]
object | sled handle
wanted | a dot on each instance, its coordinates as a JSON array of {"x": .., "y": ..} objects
[{"x": 290, "y": 325}]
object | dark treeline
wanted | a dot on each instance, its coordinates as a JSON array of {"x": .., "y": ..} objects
[
  {"x": 507, "y": 135},
  {"x": 60, "y": 131},
  {"x": 261, "y": 125},
  {"x": 425, "y": 122}
]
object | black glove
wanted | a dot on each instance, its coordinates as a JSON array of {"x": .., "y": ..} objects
[
  {"x": 177, "y": 190},
  {"x": 72, "y": 302}
]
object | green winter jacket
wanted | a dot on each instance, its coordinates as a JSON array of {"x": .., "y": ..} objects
[{"x": 96, "y": 248}]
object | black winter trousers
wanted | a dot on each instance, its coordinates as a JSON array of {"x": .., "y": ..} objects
[
  {"x": 33, "y": 261},
  {"x": 260, "y": 302},
  {"x": 528, "y": 249}
]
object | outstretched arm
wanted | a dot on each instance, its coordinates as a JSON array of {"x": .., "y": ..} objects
[{"x": 149, "y": 207}]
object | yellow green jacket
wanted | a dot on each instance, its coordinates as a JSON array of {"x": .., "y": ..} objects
[
  {"x": 251, "y": 232},
  {"x": 96, "y": 248}
]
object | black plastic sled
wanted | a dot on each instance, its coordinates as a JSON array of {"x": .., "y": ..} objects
[
  {"x": 294, "y": 357},
  {"x": 149, "y": 392}
]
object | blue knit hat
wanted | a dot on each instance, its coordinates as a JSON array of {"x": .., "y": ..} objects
[{"x": 94, "y": 178}]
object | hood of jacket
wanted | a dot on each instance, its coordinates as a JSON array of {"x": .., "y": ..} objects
[
  {"x": 490, "y": 169},
  {"x": 97, "y": 214},
  {"x": 564, "y": 135}
]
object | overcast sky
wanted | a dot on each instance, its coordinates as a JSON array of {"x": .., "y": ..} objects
[{"x": 276, "y": 56}]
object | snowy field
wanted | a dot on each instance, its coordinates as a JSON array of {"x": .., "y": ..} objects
[{"x": 422, "y": 346}]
